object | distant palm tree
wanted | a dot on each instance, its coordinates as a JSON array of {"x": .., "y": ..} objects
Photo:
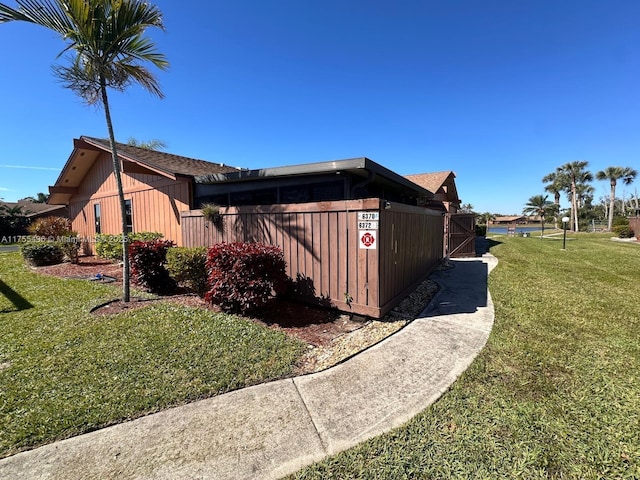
[
  {"x": 576, "y": 174},
  {"x": 39, "y": 198},
  {"x": 466, "y": 208},
  {"x": 108, "y": 40},
  {"x": 585, "y": 194},
  {"x": 154, "y": 144},
  {"x": 556, "y": 183},
  {"x": 539, "y": 205},
  {"x": 613, "y": 174}
]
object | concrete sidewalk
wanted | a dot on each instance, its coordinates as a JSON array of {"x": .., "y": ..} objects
[{"x": 271, "y": 430}]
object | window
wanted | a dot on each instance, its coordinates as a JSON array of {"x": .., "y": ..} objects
[
  {"x": 127, "y": 211},
  {"x": 96, "y": 214}
]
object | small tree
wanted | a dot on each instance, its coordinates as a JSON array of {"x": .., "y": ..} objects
[
  {"x": 107, "y": 37},
  {"x": 539, "y": 205}
]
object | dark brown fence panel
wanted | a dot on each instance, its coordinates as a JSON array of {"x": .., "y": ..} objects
[
  {"x": 462, "y": 235},
  {"x": 322, "y": 246},
  {"x": 411, "y": 245},
  {"x": 634, "y": 224}
]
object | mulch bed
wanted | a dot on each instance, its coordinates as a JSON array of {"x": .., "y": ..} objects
[{"x": 317, "y": 326}]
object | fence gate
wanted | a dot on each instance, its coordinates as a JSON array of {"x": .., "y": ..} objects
[{"x": 462, "y": 235}]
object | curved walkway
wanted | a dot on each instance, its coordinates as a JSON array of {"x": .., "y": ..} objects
[{"x": 273, "y": 429}]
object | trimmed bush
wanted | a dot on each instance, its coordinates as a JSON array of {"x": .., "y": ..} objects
[
  {"x": 147, "y": 265},
  {"x": 110, "y": 246},
  {"x": 50, "y": 227},
  {"x": 40, "y": 254},
  {"x": 70, "y": 246},
  {"x": 481, "y": 230},
  {"x": 244, "y": 276},
  {"x": 188, "y": 267},
  {"x": 623, "y": 231}
]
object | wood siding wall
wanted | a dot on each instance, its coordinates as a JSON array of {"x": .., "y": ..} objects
[
  {"x": 156, "y": 203},
  {"x": 321, "y": 245}
]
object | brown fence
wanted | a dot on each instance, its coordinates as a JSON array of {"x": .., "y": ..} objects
[
  {"x": 634, "y": 224},
  {"x": 356, "y": 255},
  {"x": 462, "y": 235}
]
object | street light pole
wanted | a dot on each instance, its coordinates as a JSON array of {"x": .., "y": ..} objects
[{"x": 565, "y": 220}]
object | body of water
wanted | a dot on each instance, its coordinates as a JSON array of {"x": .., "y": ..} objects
[{"x": 502, "y": 230}]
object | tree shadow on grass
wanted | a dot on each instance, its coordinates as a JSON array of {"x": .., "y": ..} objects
[{"x": 18, "y": 301}]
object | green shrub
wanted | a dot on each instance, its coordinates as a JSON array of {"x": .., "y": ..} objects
[
  {"x": 70, "y": 246},
  {"x": 620, "y": 221},
  {"x": 481, "y": 230},
  {"x": 188, "y": 267},
  {"x": 39, "y": 254},
  {"x": 623, "y": 231},
  {"x": 110, "y": 246}
]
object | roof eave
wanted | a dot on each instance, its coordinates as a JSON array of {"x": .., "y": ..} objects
[{"x": 361, "y": 163}]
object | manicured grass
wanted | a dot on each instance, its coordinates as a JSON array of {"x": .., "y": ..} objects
[
  {"x": 64, "y": 371},
  {"x": 556, "y": 391}
]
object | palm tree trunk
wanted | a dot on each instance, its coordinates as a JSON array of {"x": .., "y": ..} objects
[
  {"x": 612, "y": 202},
  {"x": 117, "y": 174},
  {"x": 574, "y": 205}
]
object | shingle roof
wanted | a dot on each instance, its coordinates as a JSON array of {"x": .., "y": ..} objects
[
  {"x": 430, "y": 181},
  {"x": 166, "y": 162}
]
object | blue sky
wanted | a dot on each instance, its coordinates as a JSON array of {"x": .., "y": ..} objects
[{"x": 499, "y": 91}]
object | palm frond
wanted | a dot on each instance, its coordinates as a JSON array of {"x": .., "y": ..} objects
[{"x": 45, "y": 13}]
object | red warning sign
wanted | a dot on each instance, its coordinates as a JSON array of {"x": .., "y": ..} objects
[{"x": 368, "y": 239}]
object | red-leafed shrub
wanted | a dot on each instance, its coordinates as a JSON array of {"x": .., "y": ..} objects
[
  {"x": 148, "y": 265},
  {"x": 244, "y": 276}
]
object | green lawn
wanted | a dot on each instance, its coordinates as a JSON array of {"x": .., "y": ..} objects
[
  {"x": 64, "y": 371},
  {"x": 556, "y": 391}
]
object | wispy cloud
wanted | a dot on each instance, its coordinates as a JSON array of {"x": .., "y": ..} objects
[
  {"x": 2, "y": 189},
  {"x": 29, "y": 167}
]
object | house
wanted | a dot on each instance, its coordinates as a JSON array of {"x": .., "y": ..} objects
[
  {"x": 355, "y": 235},
  {"x": 15, "y": 217},
  {"x": 509, "y": 220},
  {"x": 157, "y": 187}
]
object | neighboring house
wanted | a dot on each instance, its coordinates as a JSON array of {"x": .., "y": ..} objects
[
  {"x": 157, "y": 187},
  {"x": 15, "y": 217},
  {"x": 443, "y": 186},
  {"x": 514, "y": 219}
]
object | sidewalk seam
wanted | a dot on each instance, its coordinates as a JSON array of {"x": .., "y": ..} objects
[{"x": 315, "y": 427}]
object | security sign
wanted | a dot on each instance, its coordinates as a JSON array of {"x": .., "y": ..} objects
[{"x": 368, "y": 239}]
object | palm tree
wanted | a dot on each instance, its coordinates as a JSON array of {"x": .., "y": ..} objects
[
  {"x": 154, "y": 144},
  {"x": 575, "y": 174},
  {"x": 466, "y": 208},
  {"x": 613, "y": 174},
  {"x": 107, "y": 38},
  {"x": 539, "y": 205},
  {"x": 39, "y": 198},
  {"x": 556, "y": 183}
]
